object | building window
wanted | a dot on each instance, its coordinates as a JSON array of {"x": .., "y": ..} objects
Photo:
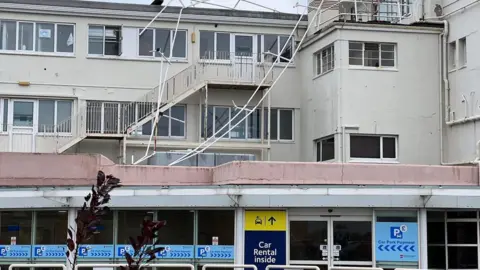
[
  {"x": 326, "y": 149},
  {"x": 104, "y": 40},
  {"x": 3, "y": 115},
  {"x": 370, "y": 54},
  {"x": 373, "y": 147},
  {"x": 452, "y": 50},
  {"x": 214, "y": 45},
  {"x": 246, "y": 129},
  {"x": 282, "y": 125},
  {"x": 37, "y": 37},
  {"x": 50, "y": 227},
  {"x": 55, "y": 116},
  {"x": 462, "y": 52},
  {"x": 274, "y": 44},
  {"x": 324, "y": 60},
  {"x": 171, "y": 124},
  {"x": 153, "y": 42}
]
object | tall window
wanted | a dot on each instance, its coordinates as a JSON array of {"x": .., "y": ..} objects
[
  {"x": 104, "y": 40},
  {"x": 3, "y": 115},
  {"x": 153, "y": 42},
  {"x": 324, "y": 60},
  {"x": 214, "y": 45},
  {"x": 218, "y": 117},
  {"x": 371, "y": 54},
  {"x": 54, "y": 116},
  {"x": 37, "y": 37},
  {"x": 373, "y": 147},
  {"x": 326, "y": 149},
  {"x": 282, "y": 124},
  {"x": 274, "y": 44}
]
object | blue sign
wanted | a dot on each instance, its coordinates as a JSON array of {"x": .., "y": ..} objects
[
  {"x": 95, "y": 251},
  {"x": 265, "y": 247},
  {"x": 120, "y": 250},
  {"x": 396, "y": 242},
  {"x": 215, "y": 252},
  {"x": 176, "y": 252},
  {"x": 16, "y": 251},
  {"x": 49, "y": 251}
]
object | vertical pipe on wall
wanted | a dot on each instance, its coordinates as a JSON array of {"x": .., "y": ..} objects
[
  {"x": 422, "y": 221},
  {"x": 72, "y": 214},
  {"x": 239, "y": 241}
]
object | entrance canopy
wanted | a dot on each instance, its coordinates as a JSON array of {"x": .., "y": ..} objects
[{"x": 251, "y": 196}]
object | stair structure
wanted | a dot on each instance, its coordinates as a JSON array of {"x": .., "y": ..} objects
[{"x": 239, "y": 74}]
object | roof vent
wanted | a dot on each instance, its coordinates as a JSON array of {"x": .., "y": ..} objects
[{"x": 157, "y": 3}]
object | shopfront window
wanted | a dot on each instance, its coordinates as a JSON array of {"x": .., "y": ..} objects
[
  {"x": 105, "y": 229},
  {"x": 216, "y": 224},
  {"x": 51, "y": 227},
  {"x": 130, "y": 224},
  {"x": 179, "y": 229},
  {"x": 16, "y": 228}
]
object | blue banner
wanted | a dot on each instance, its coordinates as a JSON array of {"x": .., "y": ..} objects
[
  {"x": 120, "y": 250},
  {"x": 176, "y": 252},
  {"x": 215, "y": 252},
  {"x": 265, "y": 247},
  {"x": 49, "y": 251},
  {"x": 396, "y": 241},
  {"x": 16, "y": 251},
  {"x": 96, "y": 251}
]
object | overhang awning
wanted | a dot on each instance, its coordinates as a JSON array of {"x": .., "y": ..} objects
[{"x": 251, "y": 196}]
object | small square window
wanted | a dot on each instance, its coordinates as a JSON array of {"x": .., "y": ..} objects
[
  {"x": 326, "y": 149},
  {"x": 373, "y": 147}
]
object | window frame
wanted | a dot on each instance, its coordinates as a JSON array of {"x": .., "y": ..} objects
[
  {"x": 154, "y": 53},
  {"x": 381, "y": 159},
  {"x": 319, "y": 60},
  {"x": 380, "y": 44},
  {"x": 319, "y": 149},
  {"x": 246, "y": 125},
  {"x": 278, "y": 120},
  {"x": 2, "y": 115},
  {"x": 55, "y": 117},
  {"x": 261, "y": 42},
  {"x": 215, "y": 52},
  {"x": 120, "y": 40},
  {"x": 170, "y": 136},
  {"x": 34, "y": 37}
]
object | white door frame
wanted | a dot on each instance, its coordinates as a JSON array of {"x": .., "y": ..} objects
[
  {"x": 247, "y": 63},
  {"x": 28, "y": 130},
  {"x": 330, "y": 262}
]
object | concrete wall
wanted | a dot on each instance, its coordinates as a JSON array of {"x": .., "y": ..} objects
[
  {"x": 403, "y": 101},
  {"x": 464, "y": 96}
]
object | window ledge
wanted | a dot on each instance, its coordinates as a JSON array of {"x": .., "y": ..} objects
[
  {"x": 48, "y": 134},
  {"x": 282, "y": 141},
  {"x": 320, "y": 75},
  {"x": 31, "y": 53},
  {"x": 462, "y": 67},
  {"x": 144, "y": 59},
  {"x": 373, "y": 68},
  {"x": 372, "y": 160},
  {"x": 228, "y": 62}
]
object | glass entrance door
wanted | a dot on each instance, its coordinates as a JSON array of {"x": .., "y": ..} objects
[{"x": 331, "y": 241}]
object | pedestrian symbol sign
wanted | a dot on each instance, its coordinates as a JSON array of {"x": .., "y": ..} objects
[{"x": 265, "y": 221}]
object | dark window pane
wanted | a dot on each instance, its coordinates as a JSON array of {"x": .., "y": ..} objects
[
  {"x": 65, "y": 38},
  {"x": 162, "y": 126},
  {"x": 462, "y": 257},
  {"x": 435, "y": 216},
  {"x": 306, "y": 238},
  {"x": 286, "y": 125},
  {"x": 209, "y": 121},
  {"x": 25, "y": 36},
  {"x": 162, "y": 42},
  {"x": 319, "y": 149},
  {"x": 5, "y": 114},
  {"x": 112, "y": 40},
  {"x": 17, "y": 224},
  {"x": 274, "y": 124},
  {"x": 180, "y": 46},
  {"x": 364, "y": 146},
  {"x": 45, "y": 37},
  {"x": 436, "y": 233},
  {"x": 288, "y": 51},
  {"x": 46, "y": 115},
  {"x": 355, "y": 239},
  {"x": 110, "y": 118},
  {"x": 145, "y": 46},
  {"x": 50, "y": 227},
  {"x": 243, "y": 45},
  {"x": 130, "y": 224},
  {"x": 461, "y": 214},
  {"x": 179, "y": 228},
  {"x": 223, "y": 46},
  {"x": 105, "y": 229},
  {"x": 8, "y": 33},
  {"x": 436, "y": 257},
  {"x": 207, "y": 44},
  {"x": 95, "y": 39},
  {"x": 328, "y": 149},
  {"x": 462, "y": 232},
  {"x": 253, "y": 125},
  {"x": 64, "y": 116},
  {"x": 216, "y": 223},
  {"x": 389, "y": 147},
  {"x": 222, "y": 116},
  {"x": 177, "y": 127}
]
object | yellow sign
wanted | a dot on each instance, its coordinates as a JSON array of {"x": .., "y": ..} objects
[{"x": 265, "y": 220}]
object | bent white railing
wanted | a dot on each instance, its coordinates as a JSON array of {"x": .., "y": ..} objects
[
  {"x": 311, "y": 267},
  {"x": 218, "y": 265}
]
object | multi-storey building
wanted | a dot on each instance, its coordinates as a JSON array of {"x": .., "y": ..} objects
[{"x": 373, "y": 82}]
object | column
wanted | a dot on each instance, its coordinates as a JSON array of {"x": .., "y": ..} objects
[
  {"x": 239, "y": 235},
  {"x": 422, "y": 222}
]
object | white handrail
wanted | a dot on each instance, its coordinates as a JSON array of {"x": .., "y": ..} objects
[
  {"x": 28, "y": 265},
  {"x": 216, "y": 265},
  {"x": 311, "y": 267},
  {"x": 173, "y": 265}
]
